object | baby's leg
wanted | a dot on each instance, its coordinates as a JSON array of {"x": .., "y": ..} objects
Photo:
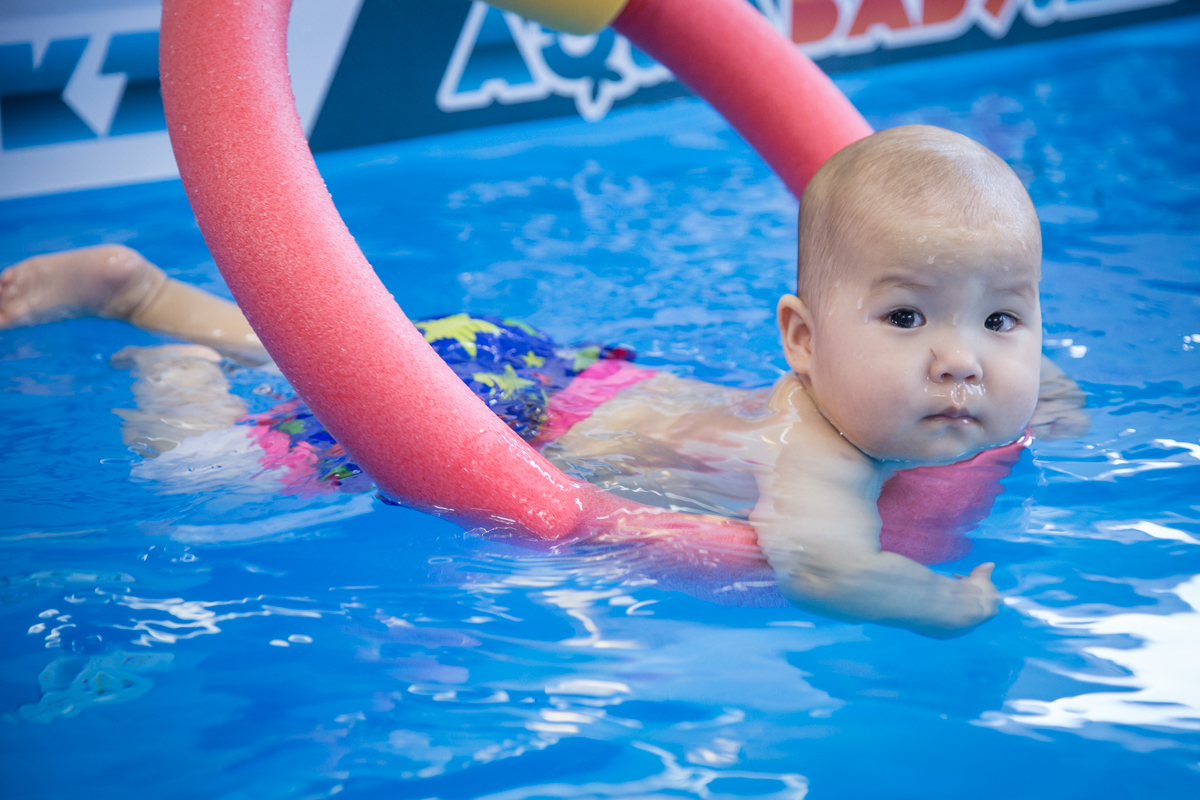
[
  {"x": 180, "y": 392},
  {"x": 115, "y": 282},
  {"x": 106, "y": 281}
]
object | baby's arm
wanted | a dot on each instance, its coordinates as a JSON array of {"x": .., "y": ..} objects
[
  {"x": 116, "y": 282},
  {"x": 1061, "y": 411},
  {"x": 820, "y": 530}
]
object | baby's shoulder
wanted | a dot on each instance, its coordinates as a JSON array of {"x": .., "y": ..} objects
[{"x": 807, "y": 446}]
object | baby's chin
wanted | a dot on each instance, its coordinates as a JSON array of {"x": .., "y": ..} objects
[{"x": 917, "y": 450}]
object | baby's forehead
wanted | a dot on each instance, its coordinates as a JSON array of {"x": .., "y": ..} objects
[
  {"x": 929, "y": 250},
  {"x": 1003, "y": 229},
  {"x": 995, "y": 208},
  {"x": 954, "y": 185}
]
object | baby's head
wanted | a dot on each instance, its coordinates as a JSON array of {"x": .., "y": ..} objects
[{"x": 916, "y": 326}]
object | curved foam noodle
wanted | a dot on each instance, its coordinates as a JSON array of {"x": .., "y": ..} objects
[
  {"x": 315, "y": 302},
  {"x": 303, "y": 282}
]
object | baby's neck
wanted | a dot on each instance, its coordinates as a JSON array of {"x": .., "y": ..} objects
[{"x": 790, "y": 395}]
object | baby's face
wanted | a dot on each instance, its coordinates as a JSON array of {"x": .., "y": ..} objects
[{"x": 927, "y": 347}]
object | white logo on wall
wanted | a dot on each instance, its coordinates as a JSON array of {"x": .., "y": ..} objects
[{"x": 502, "y": 58}]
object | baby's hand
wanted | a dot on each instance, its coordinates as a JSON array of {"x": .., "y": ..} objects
[
  {"x": 1060, "y": 419},
  {"x": 1061, "y": 411},
  {"x": 978, "y": 601}
]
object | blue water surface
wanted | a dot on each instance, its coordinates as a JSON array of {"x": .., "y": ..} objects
[{"x": 242, "y": 643}]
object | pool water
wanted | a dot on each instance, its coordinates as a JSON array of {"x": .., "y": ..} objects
[{"x": 229, "y": 641}]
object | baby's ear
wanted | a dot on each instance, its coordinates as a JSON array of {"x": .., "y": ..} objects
[{"x": 796, "y": 330}]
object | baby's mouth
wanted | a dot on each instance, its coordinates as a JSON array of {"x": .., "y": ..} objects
[{"x": 953, "y": 416}]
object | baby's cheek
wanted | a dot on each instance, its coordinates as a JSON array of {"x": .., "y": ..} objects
[
  {"x": 900, "y": 385},
  {"x": 1016, "y": 397},
  {"x": 868, "y": 395},
  {"x": 885, "y": 412}
]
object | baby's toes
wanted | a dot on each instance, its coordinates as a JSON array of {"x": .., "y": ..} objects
[
  {"x": 8, "y": 281},
  {"x": 14, "y": 304}
]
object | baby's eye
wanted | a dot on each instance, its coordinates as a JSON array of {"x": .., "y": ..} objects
[
  {"x": 1000, "y": 322},
  {"x": 906, "y": 318}
]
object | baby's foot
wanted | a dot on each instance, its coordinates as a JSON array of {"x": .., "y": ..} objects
[
  {"x": 133, "y": 357},
  {"x": 108, "y": 281}
]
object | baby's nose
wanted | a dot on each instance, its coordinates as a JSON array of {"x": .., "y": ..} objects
[{"x": 956, "y": 365}]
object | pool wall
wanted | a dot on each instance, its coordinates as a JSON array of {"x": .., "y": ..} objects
[{"x": 80, "y": 104}]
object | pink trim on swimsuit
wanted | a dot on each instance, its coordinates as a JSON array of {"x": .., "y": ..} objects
[
  {"x": 596, "y": 385},
  {"x": 928, "y": 511}
]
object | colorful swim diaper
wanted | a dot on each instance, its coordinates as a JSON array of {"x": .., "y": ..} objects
[{"x": 539, "y": 388}]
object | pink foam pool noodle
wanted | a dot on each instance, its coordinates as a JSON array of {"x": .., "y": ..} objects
[{"x": 323, "y": 314}]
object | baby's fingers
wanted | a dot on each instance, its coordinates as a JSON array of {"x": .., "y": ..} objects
[
  {"x": 980, "y": 579},
  {"x": 983, "y": 572}
]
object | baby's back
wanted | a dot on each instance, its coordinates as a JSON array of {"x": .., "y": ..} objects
[{"x": 676, "y": 443}]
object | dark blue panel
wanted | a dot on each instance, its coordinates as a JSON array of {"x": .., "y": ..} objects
[
  {"x": 32, "y": 110},
  {"x": 386, "y": 84},
  {"x": 135, "y": 54},
  {"x": 141, "y": 110}
]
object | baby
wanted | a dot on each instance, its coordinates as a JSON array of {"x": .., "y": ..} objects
[{"x": 914, "y": 339}]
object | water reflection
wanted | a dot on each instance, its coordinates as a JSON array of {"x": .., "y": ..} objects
[
  {"x": 187, "y": 619},
  {"x": 696, "y": 781},
  {"x": 1154, "y": 683},
  {"x": 679, "y": 661}
]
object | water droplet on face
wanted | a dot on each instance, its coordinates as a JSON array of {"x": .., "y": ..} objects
[
  {"x": 930, "y": 260},
  {"x": 957, "y": 393},
  {"x": 859, "y": 302},
  {"x": 922, "y": 238}
]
